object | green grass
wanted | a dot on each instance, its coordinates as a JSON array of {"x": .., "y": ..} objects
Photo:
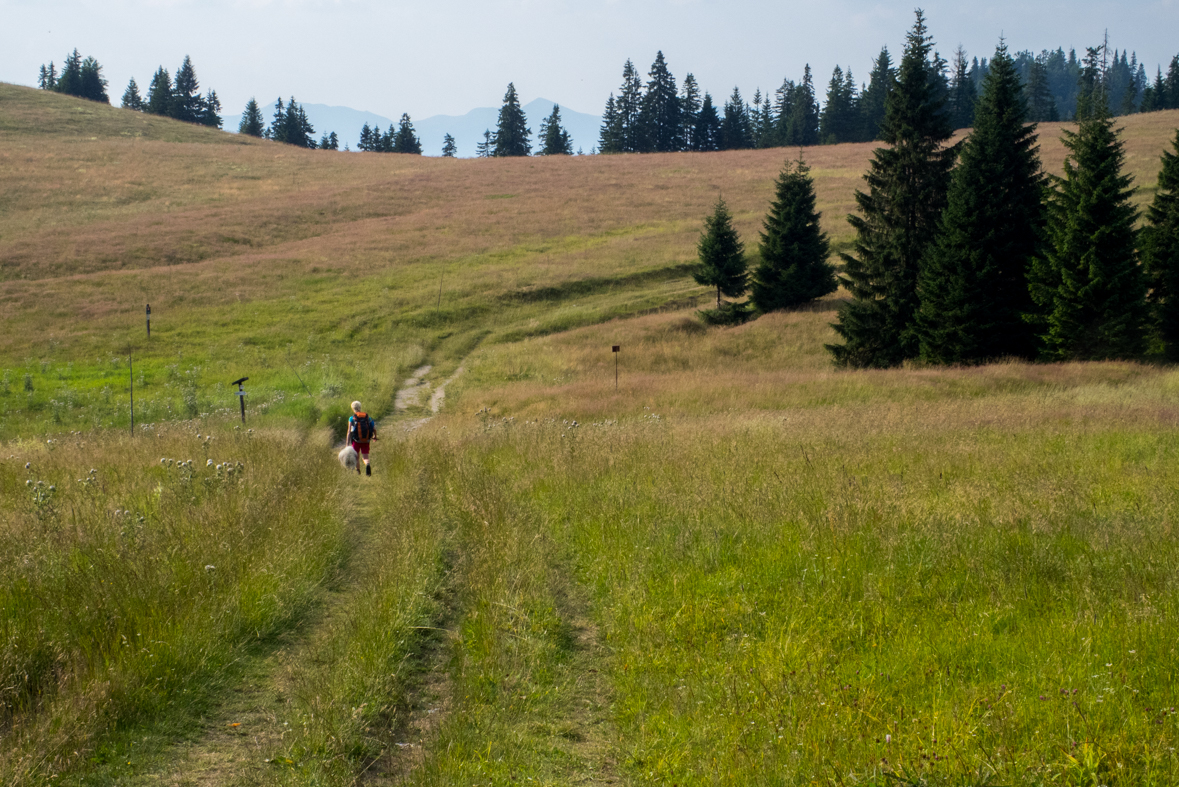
[
  {"x": 823, "y": 600},
  {"x": 739, "y": 566}
]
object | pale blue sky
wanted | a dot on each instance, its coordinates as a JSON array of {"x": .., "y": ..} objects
[{"x": 450, "y": 56}]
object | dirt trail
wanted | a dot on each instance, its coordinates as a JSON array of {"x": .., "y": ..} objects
[
  {"x": 234, "y": 742},
  {"x": 410, "y": 395},
  {"x": 411, "y": 391},
  {"x": 232, "y": 745}
]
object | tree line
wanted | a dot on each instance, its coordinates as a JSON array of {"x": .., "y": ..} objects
[
  {"x": 178, "y": 98},
  {"x": 969, "y": 252},
  {"x": 81, "y": 77},
  {"x": 656, "y": 116}
]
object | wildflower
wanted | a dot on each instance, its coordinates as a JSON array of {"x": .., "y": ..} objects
[{"x": 210, "y": 568}]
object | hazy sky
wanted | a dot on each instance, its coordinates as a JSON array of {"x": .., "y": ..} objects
[{"x": 450, "y": 56}]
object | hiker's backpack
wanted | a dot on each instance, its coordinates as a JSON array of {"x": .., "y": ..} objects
[{"x": 364, "y": 428}]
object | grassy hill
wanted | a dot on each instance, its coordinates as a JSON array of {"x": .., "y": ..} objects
[
  {"x": 248, "y": 249},
  {"x": 735, "y": 566}
]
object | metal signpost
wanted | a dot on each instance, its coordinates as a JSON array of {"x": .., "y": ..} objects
[
  {"x": 616, "y": 349},
  {"x": 241, "y": 395}
]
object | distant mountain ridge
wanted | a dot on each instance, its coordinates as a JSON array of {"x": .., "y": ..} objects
[{"x": 467, "y": 129}]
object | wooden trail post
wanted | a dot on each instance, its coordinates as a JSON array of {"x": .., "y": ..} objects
[
  {"x": 149, "y": 321},
  {"x": 616, "y": 348},
  {"x": 131, "y": 367},
  {"x": 241, "y": 395}
]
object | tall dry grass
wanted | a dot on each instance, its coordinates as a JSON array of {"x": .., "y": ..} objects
[{"x": 138, "y": 573}]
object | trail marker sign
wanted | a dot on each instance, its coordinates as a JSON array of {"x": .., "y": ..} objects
[{"x": 241, "y": 395}]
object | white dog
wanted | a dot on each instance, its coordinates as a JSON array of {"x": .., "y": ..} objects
[{"x": 348, "y": 458}]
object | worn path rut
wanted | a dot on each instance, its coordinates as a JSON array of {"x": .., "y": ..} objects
[{"x": 234, "y": 742}]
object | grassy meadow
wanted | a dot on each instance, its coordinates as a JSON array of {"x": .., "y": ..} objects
[{"x": 735, "y": 566}]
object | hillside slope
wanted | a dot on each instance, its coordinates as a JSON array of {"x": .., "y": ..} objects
[{"x": 244, "y": 247}]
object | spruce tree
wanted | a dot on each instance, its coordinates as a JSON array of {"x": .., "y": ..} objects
[
  {"x": 707, "y": 133},
  {"x": 874, "y": 99},
  {"x": 1041, "y": 104},
  {"x": 689, "y": 109},
  {"x": 907, "y": 183},
  {"x": 290, "y": 125},
  {"x": 1160, "y": 252},
  {"x": 610, "y": 136},
  {"x": 277, "y": 130},
  {"x": 736, "y": 132},
  {"x": 783, "y": 112},
  {"x": 554, "y": 139},
  {"x": 70, "y": 81},
  {"x": 838, "y": 120},
  {"x": 93, "y": 84},
  {"x": 1092, "y": 100},
  {"x": 1172, "y": 85},
  {"x": 405, "y": 140},
  {"x": 762, "y": 121},
  {"x": 1088, "y": 286},
  {"x": 1153, "y": 94},
  {"x": 973, "y": 283},
  {"x": 252, "y": 123},
  {"x": 210, "y": 110},
  {"x": 366, "y": 138},
  {"x": 186, "y": 98},
  {"x": 329, "y": 142},
  {"x": 48, "y": 78},
  {"x": 722, "y": 256},
  {"x": 159, "y": 93},
  {"x": 962, "y": 92},
  {"x": 449, "y": 149},
  {"x": 484, "y": 149},
  {"x": 801, "y": 123},
  {"x": 627, "y": 107},
  {"x": 659, "y": 115},
  {"x": 131, "y": 97},
  {"x": 794, "y": 250},
  {"x": 511, "y": 131}
]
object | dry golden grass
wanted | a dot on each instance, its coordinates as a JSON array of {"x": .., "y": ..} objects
[
  {"x": 93, "y": 227},
  {"x": 670, "y": 364}
]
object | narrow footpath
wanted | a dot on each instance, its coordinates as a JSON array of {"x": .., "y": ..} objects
[{"x": 237, "y": 743}]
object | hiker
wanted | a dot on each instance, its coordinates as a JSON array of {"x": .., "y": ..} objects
[{"x": 361, "y": 430}]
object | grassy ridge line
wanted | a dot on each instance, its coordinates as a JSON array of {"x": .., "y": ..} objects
[
  {"x": 68, "y": 118},
  {"x": 140, "y": 584}
]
